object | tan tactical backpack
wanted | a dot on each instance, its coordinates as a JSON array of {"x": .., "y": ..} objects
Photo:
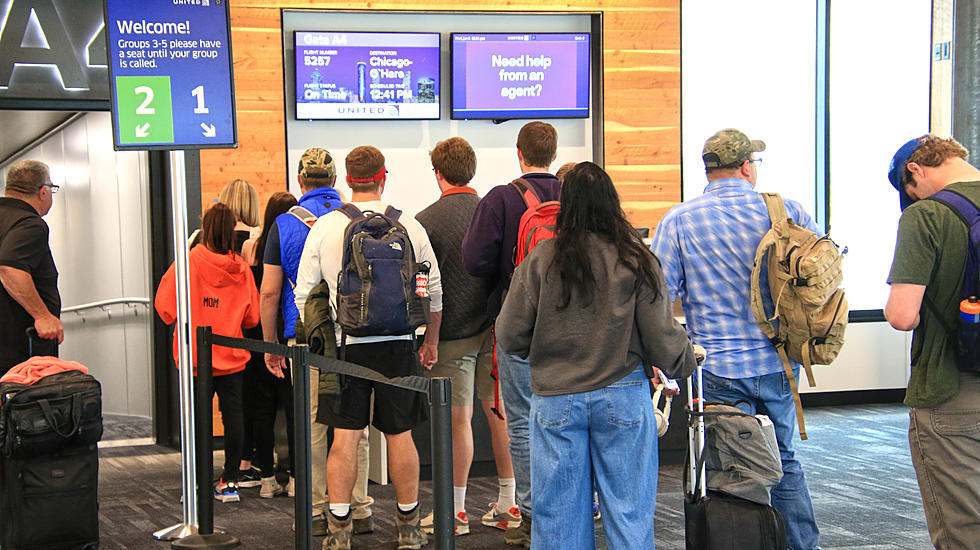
[{"x": 804, "y": 279}]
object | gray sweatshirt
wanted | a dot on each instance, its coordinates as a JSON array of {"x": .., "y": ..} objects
[{"x": 585, "y": 347}]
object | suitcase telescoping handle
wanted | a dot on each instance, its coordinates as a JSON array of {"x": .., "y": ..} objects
[
  {"x": 40, "y": 346},
  {"x": 697, "y": 484}
]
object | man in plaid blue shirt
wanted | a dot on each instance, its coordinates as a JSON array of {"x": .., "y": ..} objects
[{"x": 707, "y": 248}]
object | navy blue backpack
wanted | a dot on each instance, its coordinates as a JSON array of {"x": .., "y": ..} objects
[
  {"x": 967, "y": 333},
  {"x": 376, "y": 286}
]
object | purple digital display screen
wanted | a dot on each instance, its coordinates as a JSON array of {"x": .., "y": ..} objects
[
  {"x": 543, "y": 75},
  {"x": 367, "y": 75}
]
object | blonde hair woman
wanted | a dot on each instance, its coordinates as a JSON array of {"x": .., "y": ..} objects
[{"x": 242, "y": 199}]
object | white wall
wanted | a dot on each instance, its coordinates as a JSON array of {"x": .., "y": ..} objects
[
  {"x": 99, "y": 237},
  {"x": 879, "y": 99},
  {"x": 750, "y": 65},
  {"x": 406, "y": 143}
]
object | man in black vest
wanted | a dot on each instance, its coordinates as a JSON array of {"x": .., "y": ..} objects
[
  {"x": 29, "y": 290},
  {"x": 465, "y": 343}
]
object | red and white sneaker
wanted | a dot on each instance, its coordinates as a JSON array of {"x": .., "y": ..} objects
[
  {"x": 462, "y": 524},
  {"x": 509, "y": 519}
]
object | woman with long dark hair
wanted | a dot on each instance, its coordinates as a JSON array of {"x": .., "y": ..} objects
[
  {"x": 266, "y": 393},
  {"x": 589, "y": 310},
  {"x": 223, "y": 296}
]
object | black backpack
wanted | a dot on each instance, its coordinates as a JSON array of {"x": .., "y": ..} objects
[
  {"x": 376, "y": 287},
  {"x": 967, "y": 333},
  {"x": 58, "y": 412}
]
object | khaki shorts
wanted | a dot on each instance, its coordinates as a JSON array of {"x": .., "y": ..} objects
[{"x": 467, "y": 362}]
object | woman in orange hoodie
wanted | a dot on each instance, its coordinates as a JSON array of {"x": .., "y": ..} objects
[{"x": 223, "y": 295}]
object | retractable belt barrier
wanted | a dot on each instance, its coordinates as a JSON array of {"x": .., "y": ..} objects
[{"x": 438, "y": 390}]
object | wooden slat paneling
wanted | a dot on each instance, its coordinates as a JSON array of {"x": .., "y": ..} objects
[{"x": 641, "y": 57}]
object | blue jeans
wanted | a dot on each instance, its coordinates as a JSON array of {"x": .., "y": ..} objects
[
  {"x": 607, "y": 435},
  {"x": 770, "y": 394},
  {"x": 515, "y": 389}
]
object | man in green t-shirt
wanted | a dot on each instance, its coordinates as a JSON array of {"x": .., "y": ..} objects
[{"x": 930, "y": 260}]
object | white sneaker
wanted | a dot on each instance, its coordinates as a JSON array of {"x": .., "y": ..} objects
[
  {"x": 270, "y": 488},
  {"x": 462, "y": 522},
  {"x": 509, "y": 519}
]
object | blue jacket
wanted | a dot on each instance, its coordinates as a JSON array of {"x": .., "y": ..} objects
[{"x": 292, "y": 237}]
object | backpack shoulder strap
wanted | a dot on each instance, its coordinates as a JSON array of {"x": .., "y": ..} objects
[
  {"x": 963, "y": 207},
  {"x": 303, "y": 215},
  {"x": 350, "y": 211},
  {"x": 776, "y": 207},
  {"x": 393, "y": 213},
  {"x": 758, "y": 308},
  {"x": 527, "y": 192}
]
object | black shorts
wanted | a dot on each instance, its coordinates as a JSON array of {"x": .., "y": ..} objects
[{"x": 396, "y": 410}]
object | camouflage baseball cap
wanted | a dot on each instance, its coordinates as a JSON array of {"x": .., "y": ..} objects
[
  {"x": 316, "y": 163},
  {"x": 728, "y": 148}
]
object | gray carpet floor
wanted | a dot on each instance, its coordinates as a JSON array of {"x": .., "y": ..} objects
[{"x": 856, "y": 460}]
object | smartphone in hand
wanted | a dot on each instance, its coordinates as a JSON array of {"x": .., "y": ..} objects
[{"x": 668, "y": 383}]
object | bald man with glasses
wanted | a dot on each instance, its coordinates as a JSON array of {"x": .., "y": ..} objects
[{"x": 28, "y": 277}]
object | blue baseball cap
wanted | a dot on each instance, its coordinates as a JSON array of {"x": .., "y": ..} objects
[{"x": 896, "y": 170}]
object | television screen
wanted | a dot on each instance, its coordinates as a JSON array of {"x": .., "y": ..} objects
[
  {"x": 500, "y": 76},
  {"x": 367, "y": 75}
]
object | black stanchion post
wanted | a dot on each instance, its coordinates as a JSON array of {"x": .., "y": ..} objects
[
  {"x": 205, "y": 537},
  {"x": 303, "y": 501},
  {"x": 440, "y": 403},
  {"x": 204, "y": 431}
]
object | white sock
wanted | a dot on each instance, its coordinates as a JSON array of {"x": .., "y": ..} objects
[
  {"x": 406, "y": 508},
  {"x": 459, "y": 499},
  {"x": 340, "y": 510},
  {"x": 505, "y": 498}
]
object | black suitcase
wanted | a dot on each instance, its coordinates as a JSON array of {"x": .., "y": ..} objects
[
  {"x": 49, "y": 460},
  {"x": 51, "y": 502},
  {"x": 715, "y": 520}
]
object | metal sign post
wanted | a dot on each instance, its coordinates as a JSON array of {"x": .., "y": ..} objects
[
  {"x": 178, "y": 185},
  {"x": 172, "y": 88}
]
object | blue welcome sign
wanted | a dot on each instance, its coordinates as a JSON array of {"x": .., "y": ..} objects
[{"x": 170, "y": 74}]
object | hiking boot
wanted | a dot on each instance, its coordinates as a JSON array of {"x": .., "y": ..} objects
[
  {"x": 508, "y": 519},
  {"x": 319, "y": 524},
  {"x": 270, "y": 487},
  {"x": 251, "y": 477},
  {"x": 291, "y": 487},
  {"x": 462, "y": 523},
  {"x": 226, "y": 491},
  {"x": 521, "y": 536},
  {"x": 363, "y": 526},
  {"x": 319, "y": 527},
  {"x": 340, "y": 532},
  {"x": 410, "y": 535}
]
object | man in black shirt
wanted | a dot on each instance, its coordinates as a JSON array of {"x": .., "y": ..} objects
[{"x": 29, "y": 290}]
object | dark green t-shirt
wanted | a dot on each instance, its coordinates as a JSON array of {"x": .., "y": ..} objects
[{"x": 931, "y": 250}]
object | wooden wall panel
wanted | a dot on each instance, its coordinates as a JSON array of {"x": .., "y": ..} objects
[{"x": 641, "y": 57}]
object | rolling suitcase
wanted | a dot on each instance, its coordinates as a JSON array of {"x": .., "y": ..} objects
[
  {"x": 49, "y": 460},
  {"x": 51, "y": 502},
  {"x": 714, "y": 520}
]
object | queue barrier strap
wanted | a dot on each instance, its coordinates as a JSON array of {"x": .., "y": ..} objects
[{"x": 414, "y": 383}]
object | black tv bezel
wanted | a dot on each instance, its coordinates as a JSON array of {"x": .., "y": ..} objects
[
  {"x": 515, "y": 115},
  {"x": 361, "y": 119}
]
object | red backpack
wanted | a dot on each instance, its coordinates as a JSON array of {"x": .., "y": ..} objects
[{"x": 538, "y": 222}]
